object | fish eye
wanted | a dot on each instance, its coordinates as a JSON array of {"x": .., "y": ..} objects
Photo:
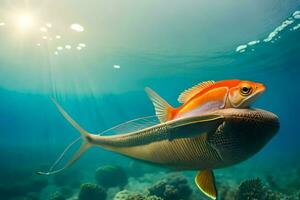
[{"x": 245, "y": 90}]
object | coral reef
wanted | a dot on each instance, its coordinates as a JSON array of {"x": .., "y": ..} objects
[
  {"x": 254, "y": 189},
  {"x": 90, "y": 191},
  {"x": 127, "y": 195},
  {"x": 251, "y": 189},
  {"x": 173, "y": 187},
  {"x": 158, "y": 185},
  {"x": 111, "y": 176}
]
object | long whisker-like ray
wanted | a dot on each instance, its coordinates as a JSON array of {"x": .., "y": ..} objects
[
  {"x": 126, "y": 123},
  {"x": 62, "y": 155}
]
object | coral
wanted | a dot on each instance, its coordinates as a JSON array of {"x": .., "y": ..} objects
[
  {"x": 111, "y": 176},
  {"x": 251, "y": 189},
  {"x": 122, "y": 195},
  {"x": 57, "y": 196},
  {"x": 254, "y": 189},
  {"x": 70, "y": 178},
  {"x": 153, "y": 197},
  {"x": 271, "y": 195},
  {"x": 127, "y": 195},
  {"x": 173, "y": 187},
  {"x": 90, "y": 191}
]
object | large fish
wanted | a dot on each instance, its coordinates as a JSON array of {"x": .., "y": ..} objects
[
  {"x": 203, "y": 143},
  {"x": 207, "y": 97}
]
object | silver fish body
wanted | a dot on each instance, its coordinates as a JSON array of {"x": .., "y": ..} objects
[
  {"x": 219, "y": 139},
  {"x": 206, "y": 142}
]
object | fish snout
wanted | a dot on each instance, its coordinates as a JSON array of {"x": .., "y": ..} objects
[{"x": 260, "y": 88}]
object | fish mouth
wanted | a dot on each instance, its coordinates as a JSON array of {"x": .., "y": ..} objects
[{"x": 260, "y": 88}]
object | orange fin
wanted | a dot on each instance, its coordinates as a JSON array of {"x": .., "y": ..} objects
[
  {"x": 162, "y": 109},
  {"x": 205, "y": 181},
  {"x": 189, "y": 93}
]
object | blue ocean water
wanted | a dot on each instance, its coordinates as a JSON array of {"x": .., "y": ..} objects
[{"x": 98, "y": 74}]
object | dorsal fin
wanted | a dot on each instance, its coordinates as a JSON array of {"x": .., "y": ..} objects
[
  {"x": 189, "y": 93},
  {"x": 162, "y": 109}
]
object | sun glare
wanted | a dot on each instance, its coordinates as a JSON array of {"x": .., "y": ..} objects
[
  {"x": 24, "y": 22},
  {"x": 27, "y": 24}
]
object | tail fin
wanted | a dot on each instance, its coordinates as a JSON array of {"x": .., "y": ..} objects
[
  {"x": 84, "y": 146},
  {"x": 163, "y": 110}
]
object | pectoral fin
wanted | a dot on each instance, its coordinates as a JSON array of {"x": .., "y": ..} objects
[
  {"x": 194, "y": 126},
  {"x": 205, "y": 181}
]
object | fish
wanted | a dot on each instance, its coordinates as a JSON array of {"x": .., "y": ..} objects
[
  {"x": 206, "y": 97},
  {"x": 203, "y": 143}
]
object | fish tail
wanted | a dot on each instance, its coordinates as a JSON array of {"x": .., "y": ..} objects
[{"x": 86, "y": 144}]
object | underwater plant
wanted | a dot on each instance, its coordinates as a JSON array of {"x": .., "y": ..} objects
[
  {"x": 173, "y": 187},
  {"x": 111, "y": 176},
  {"x": 90, "y": 191}
]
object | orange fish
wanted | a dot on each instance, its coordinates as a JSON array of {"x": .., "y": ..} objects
[{"x": 207, "y": 97}]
